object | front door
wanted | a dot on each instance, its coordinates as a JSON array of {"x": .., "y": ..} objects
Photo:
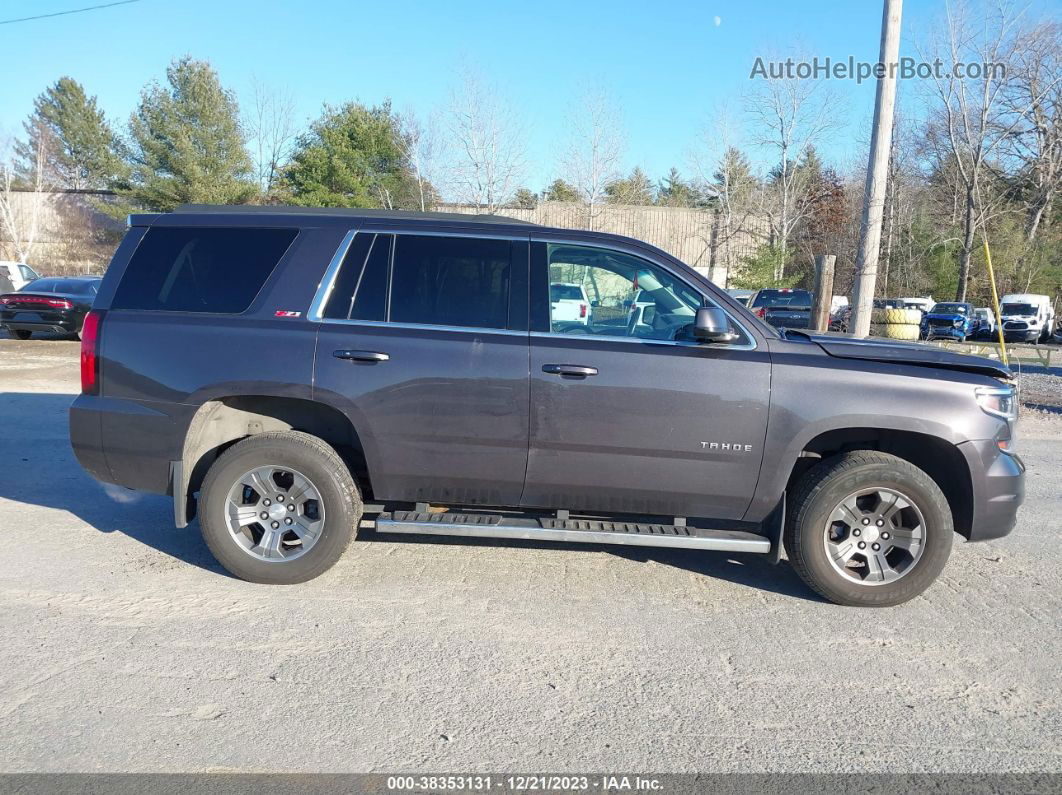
[
  {"x": 423, "y": 344},
  {"x": 628, "y": 414}
]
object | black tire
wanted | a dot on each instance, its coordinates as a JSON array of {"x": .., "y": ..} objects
[
  {"x": 21, "y": 334},
  {"x": 829, "y": 482},
  {"x": 316, "y": 460}
]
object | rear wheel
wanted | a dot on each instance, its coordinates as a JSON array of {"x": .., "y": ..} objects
[
  {"x": 21, "y": 334},
  {"x": 279, "y": 508},
  {"x": 868, "y": 529}
]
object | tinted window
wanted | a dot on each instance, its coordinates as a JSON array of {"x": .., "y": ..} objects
[
  {"x": 360, "y": 291},
  {"x": 200, "y": 269},
  {"x": 450, "y": 281},
  {"x": 68, "y": 286}
]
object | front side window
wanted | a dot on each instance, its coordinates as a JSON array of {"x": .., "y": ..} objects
[
  {"x": 200, "y": 269},
  {"x": 28, "y": 273},
  {"x": 450, "y": 281},
  {"x": 611, "y": 293}
]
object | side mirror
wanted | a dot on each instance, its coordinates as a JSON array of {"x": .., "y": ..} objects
[{"x": 711, "y": 325}]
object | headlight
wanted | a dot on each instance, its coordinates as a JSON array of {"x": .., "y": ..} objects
[
  {"x": 1000, "y": 401},
  {"x": 956, "y": 323}
]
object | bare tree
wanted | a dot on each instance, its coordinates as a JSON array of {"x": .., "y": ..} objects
[
  {"x": 969, "y": 108},
  {"x": 21, "y": 210},
  {"x": 488, "y": 144},
  {"x": 595, "y": 145},
  {"x": 424, "y": 152},
  {"x": 788, "y": 114},
  {"x": 270, "y": 125},
  {"x": 1033, "y": 97}
]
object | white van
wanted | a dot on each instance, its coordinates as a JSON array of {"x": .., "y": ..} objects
[{"x": 1027, "y": 317}]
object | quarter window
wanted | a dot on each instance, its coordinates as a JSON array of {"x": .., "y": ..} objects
[
  {"x": 450, "y": 281},
  {"x": 200, "y": 269}
]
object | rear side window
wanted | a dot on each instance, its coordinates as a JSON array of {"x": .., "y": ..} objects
[
  {"x": 450, "y": 281},
  {"x": 360, "y": 291},
  {"x": 200, "y": 269},
  {"x": 565, "y": 292}
]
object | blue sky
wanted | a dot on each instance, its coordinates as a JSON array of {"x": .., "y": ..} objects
[{"x": 667, "y": 64}]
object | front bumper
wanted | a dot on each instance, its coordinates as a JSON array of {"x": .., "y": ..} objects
[
  {"x": 998, "y": 480},
  {"x": 944, "y": 332},
  {"x": 1021, "y": 335}
]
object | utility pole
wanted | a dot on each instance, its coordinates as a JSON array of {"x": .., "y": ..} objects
[
  {"x": 822, "y": 293},
  {"x": 866, "y": 267}
]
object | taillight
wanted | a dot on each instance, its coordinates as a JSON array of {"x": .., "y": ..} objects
[
  {"x": 761, "y": 313},
  {"x": 90, "y": 353},
  {"x": 6, "y": 299},
  {"x": 582, "y": 310},
  {"x": 59, "y": 303}
]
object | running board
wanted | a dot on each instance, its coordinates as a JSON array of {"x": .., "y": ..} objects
[{"x": 582, "y": 531}]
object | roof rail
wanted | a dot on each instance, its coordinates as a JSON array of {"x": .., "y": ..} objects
[{"x": 349, "y": 212}]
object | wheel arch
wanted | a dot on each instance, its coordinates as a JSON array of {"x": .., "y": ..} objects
[
  {"x": 937, "y": 457},
  {"x": 221, "y": 422}
]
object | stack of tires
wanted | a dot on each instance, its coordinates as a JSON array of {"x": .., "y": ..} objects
[{"x": 896, "y": 324}]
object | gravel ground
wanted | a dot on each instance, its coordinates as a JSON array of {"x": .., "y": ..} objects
[{"x": 126, "y": 648}]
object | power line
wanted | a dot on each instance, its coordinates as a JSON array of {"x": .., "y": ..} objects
[{"x": 71, "y": 11}]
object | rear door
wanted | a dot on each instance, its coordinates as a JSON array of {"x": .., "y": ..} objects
[
  {"x": 627, "y": 414},
  {"x": 423, "y": 344}
]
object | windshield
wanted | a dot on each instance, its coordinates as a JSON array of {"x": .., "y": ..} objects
[
  {"x": 565, "y": 292},
  {"x": 950, "y": 309},
  {"x": 788, "y": 298},
  {"x": 1018, "y": 309}
]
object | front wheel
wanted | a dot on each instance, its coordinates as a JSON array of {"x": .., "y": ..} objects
[
  {"x": 279, "y": 508},
  {"x": 21, "y": 334},
  {"x": 868, "y": 529}
]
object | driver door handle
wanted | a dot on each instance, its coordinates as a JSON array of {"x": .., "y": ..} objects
[
  {"x": 361, "y": 356},
  {"x": 576, "y": 370}
]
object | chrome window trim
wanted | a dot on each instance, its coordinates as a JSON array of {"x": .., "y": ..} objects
[
  {"x": 751, "y": 345},
  {"x": 642, "y": 340},
  {"x": 328, "y": 281},
  {"x": 426, "y": 327}
]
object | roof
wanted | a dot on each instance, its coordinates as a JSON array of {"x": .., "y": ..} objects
[{"x": 348, "y": 212}]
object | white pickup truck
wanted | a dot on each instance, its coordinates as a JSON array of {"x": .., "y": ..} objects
[{"x": 569, "y": 303}]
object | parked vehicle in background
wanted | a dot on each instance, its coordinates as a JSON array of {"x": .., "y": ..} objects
[
  {"x": 924, "y": 304},
  {"x": 1026, "y": 317},
  {"x": 397, "y": 364},
  {"x": 19, "y": 273},
  {"x": 569, "y": 304},
  {"x": 984, "y": 322},
  {"x": 841, "y": 320},
  {"x": 52, "y": 304},
  {"x": 741, "y": 296},
  {"x": 783, "y": 307},
  {"x": 950, "y": 320}
]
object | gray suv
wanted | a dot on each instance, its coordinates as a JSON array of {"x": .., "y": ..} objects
[{"x": 284, "y": 373}]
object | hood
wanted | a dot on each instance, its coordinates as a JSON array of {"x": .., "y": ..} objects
[
  {"x": 945, "y": 315},
  {"x": 910, "y": 353}
]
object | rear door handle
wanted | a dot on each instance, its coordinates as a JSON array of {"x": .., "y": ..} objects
[
  {"x": 576, "y": 370},
  {"x": 361, "y": 356}
]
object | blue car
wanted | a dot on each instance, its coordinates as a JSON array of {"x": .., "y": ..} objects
[{"x": 953, "y": 321}]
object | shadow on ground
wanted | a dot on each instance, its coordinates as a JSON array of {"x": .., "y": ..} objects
[{"x": 40, "y": 469}]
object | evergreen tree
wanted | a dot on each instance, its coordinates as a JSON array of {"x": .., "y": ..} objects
[
  {"x": 80, "y": 150},
  {"x": 633, "y": 189},
  {"x": 186, "y": 142},
  {"x": 674, "y": 191},
  {"x": 353, "y": 156},
  {"x": 524, "y": 199},
  {"x": 560, "y": 191}
]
